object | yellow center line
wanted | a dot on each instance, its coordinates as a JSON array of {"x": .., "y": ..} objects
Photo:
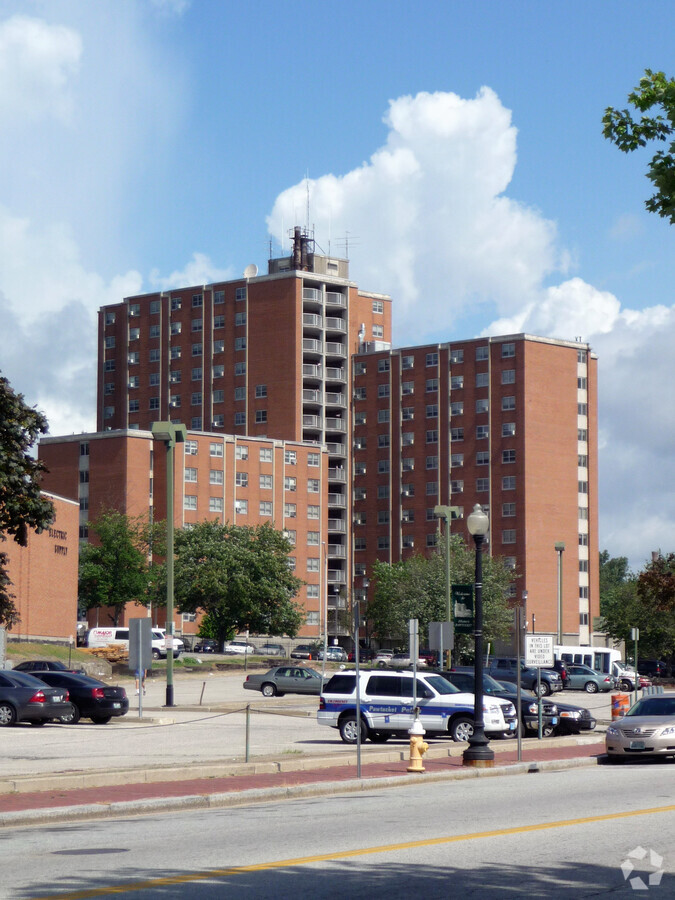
[{"x": 347, "y": 854}]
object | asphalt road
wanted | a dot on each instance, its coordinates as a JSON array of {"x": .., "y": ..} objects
[{"x": 563, "y": 834}]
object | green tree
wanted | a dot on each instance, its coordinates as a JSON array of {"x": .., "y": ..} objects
[
  {"x": 239, "y": 577},
  {"x": 115, "y": 571},
  {"x": 414, "y": 588},
  {"x": 22, "y": 507},
  {"x": 619, "y": 126}
]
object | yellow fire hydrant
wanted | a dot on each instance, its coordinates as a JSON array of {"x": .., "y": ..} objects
[{"x": 418, "y": 746}]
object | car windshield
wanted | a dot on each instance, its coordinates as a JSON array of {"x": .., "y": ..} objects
[
  {"x": 24, "y": 679},
  {"x": 441, "y": 685},
  {"x": 653, "y": 706}
]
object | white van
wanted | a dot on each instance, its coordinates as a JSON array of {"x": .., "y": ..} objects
[{"x": 101, "y": 637}]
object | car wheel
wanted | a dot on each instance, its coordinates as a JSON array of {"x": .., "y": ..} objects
[
  {"x": 591, "y": 687},
  {"x": 626, "y": 685},
  {"x": 379, "y": 737},
  {"x": 547, "y": 730},
  {"x": 156, "y": 654},
  {"x": 71, "y": 718},
  {"x": 381, "y": 664},
  {"x": 349, "y": 731},
  {"x": 461, "y": 728},
  {"x": 7, "y": 714},
  {"x": 268, "y": 690},
  {"x": 101, "y": 720},
  {"x": 541, "y": 690}
]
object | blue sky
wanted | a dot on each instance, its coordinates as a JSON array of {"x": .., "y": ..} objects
[{"x": 161, "y": 142}]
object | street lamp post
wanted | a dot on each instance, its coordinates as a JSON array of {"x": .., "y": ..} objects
[
  {"x": 171, "y": 434},
  {"x": 559, "y": 548},
  {"x": 478, "y": 753},
  {"x": 445, "y": 513},
  {"x": 366, "y": 585}
]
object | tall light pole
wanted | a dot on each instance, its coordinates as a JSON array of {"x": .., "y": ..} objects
[
  {"x": 478, "y": 753},
  {"x": 171, "y": 434},
  {"x": 559, "y": 548},
  {"x": 445, "y": 512}
]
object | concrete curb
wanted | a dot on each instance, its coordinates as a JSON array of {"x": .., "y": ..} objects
[{"x": 262, "y": 795}]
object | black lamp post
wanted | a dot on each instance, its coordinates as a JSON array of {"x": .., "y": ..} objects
[{"x": 478, "y": 753}]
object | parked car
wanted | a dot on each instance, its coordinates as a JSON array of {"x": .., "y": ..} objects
[
  {"x": 463, "y": 677},
  {"x": 333, "y": 654},
  {"x": 653, "y": 668},
  {"x": 387, "y": 706},
  {"x": 647, "y": 729},
  {"x": 583, "y": 678},
  {"x": 560, "y": 667},
  {"x": 102, "y": 637},
  {"x": 506, "y": 669},
  {"x": 383, "y": 658},
  {"x": 24, "y": 698},
  {"x": 272, "y": 650},
  {"x": 401, "y": 660},
  {"x": 281, "y": 680},
  {"x": 205, "y": 645},
  {"x": 306, "y": 651},
  {"x": 89, "y": 697},
  {"x": 46, "y": 665},
  {"x": 365, "y": 655},
  {"x": 571, "y": 719},
  {"x": 239, "y": 647}
]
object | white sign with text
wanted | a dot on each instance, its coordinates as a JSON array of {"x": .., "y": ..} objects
[{"x": 539, "y": 650}]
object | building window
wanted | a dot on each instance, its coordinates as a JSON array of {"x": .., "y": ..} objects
[
  {"x": 240, "y": 368},
  {"x": 110, "y": 343},
  {"x": 260, "y": 390},
  {"x": 189, "y": 502},
  {"x": 383, "y": 543},
  {"x": 109, "y": 388},
  {"x": 432, "y": 385},
  {"x": 313, "y": 485},
  {"x": 359, "y": 543},
  {"x": 240, "y": 293},
  {"x": 582, "y": 409},
  {"x": 582, "y": 434},
  {"x": 219, "y": 396},
  {"x": 313, "y": 538},
  {"x": 216, "y": 449},
  {"x": 456, "y": 382},
  {"x": 191, "y": 474},
  {"x": 260, "y": 416},
  {"x": 216, "y": 476},
  {"x": 582, "y": 383},
  {"x": 456, "y": 460},
  {"x": 197, "y": 374},
  {"x": 482, "y": 484},
  {"x": 583, "y": 540},
  {"x": 408, "y": 489},
  {"x": 383, "y": 466},
  {"x": 154, "y": 403},
  {"x": 290, "y": 510},
  {"x": 509, "y": 483},
  {"x": 290, "y": 457},
  {"x": 482, "y": 353},
  {"x": 219, "y": 296},
  {"x": 196, "y": 349},
  {"x": 176, "y": 328},
  {"x": 196, "y": 423},
  {"x": 197, "y": 300},
  {"x": 197, "y": 324},
  {"x": 408, "y": 516},
  {"x": 313, "y": 459},
  {"x": 483, "y": 405},
  {"x": 359, "y": 368},
  {"x": 407, "y": 362},
  {"x": 432, "y": 436},
  {"x": 583, "y": 487},
  {"x": 265, "y": 507},
  {"x": 432, "y": 410},
  {"x": 359, "y": 393},
  {"x": 110, "y": 318},
  {"x": 378, "y": 306},
  {"x": 134, "y": 309},
  {"x": 407, "y": 439},
  {"x": 583, "y": 565},
  {"x": 290, "y": 483},
  {"x": 431, "y": 488},
  {"x": 240, "y": 418},
  {"x": 196, "y": 399},
  {"x": 508, "y": 403},
  {"x": 407, "y": 387},
  {"x": 176, "y": 303},
  {"x": 313, "y": 564},
  {"x": 265, "y": 482},
  {"x": 482, "y": 431},
  {"x": 241, "y": 507},
  {"x": 240, "y": 343},
  {"x": 215, "y": 504},
  {"x": 508, "y": 456},
  {"x": 509, "y": 376},
  {"x": 383, "y": 492},
  {"x": 583, "y": 593},
  {"x": 109, "y": 365},
  {"x": 508, "y": 509},
  {"x": 383, "y": 365},
  {"x": 241, "y": 479},
  {"x": 456, "y": 487},
  {"x": 456, "y": 434},
  {"x": 174, "y": 353},
  {"x": 509, "y": 536},
  {"x": 134, "y": 406},
  {"x": 134, "y": 358},
  {"x": 219, "y": 421},
  {"x": 407, "y": 413},
  {"x": 313, "y": 512},
  {"x": 508, "y": 350},
  {"x": 219, "y": 321},
  {"x": 360, "y": 418},
  {"x": 432, "y": 539},
  {"x": 432, "y": 359},
  {"x": 191, "y": 448},
  {"x": 378, "y": 331},
  {"x": 456, "y": 356},
  {"x": 508, "y": 429},
  {"x": 219, "y": 346},
  {"x": 240, "y": 318},
  {"x": 383, "y": 390},
  {"x": 457, "y": 408},
  {"x": 582, "y": 460},
  {"x": 432, "y": 462},
  {"x": 383, "y": 440},
  {"x": 482, "y": 379},
  {"x": 265, "y": 454},
  {"x": 359, "y": 468}
]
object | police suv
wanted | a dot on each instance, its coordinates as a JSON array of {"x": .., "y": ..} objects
[{"x": 388, "y": 701}]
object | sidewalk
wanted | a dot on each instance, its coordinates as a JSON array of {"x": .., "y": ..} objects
[{"x": 81, "y": 795}]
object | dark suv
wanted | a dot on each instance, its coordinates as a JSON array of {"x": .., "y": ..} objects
[
  {"x": 506, "y": 669},
  {"x": 655, "y": 668}
]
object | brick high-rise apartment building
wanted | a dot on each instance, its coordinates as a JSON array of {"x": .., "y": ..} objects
[
  {"x": 507, "y": 422},
  {"x": 264, "y": 355}
]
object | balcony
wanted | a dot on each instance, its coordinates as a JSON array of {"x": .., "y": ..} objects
[
  {"x": 336, "y": 425},
  {"x": 311, "y": 396},
  {"x": 333, "y": 324},
  {"x": 336, "y": 576},
  {"x": 338, "y": 474},
  {"x": 333, "y": 348},
  {"x": 339, "y": 526},
  {"x": 335, "y": 374},
  {"x": 311, "y": 320},
  {"x": 310, "y": 370},
  {"x": 337, "y": 449},
  {"x": 311, "y": 421},
  {"x": 337, "y": 551},
  {"x": 335, "y": 299},
  {"x": 311, "y": 345},
  {"x": 333, "y": 399},
  {"x": 312, "y": 295},
  {"x": 337, "y": 501}
]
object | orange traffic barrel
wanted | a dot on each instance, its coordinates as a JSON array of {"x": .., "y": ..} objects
[{"x": 620, "y": 705}]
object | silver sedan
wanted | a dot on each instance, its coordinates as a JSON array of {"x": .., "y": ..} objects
[{"x": 647, "y": 729}]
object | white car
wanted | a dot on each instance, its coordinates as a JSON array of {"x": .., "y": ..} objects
[{"x": 238, "y": 647}]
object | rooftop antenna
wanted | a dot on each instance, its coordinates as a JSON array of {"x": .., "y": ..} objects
[{"x": 307, "y": 189}]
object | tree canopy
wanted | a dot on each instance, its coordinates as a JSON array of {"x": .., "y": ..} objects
[
  {"x": 115, "y": 571},
  {"x": 619, "y": 126},
  {"x": 22, "y": 507},
  {"x": 239, "y": 576},
  {"x": 414, "y": 588}
]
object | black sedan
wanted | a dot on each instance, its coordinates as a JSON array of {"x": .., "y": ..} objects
[
  {"x": 281, "y": 680},
  {"x": 463, "y": 678},
  {"x": 46, "y": 665},
  {"x": 571, "y": 719},
  {"x": 24, "y": 698},
  {"x": 90, "y": 698}
]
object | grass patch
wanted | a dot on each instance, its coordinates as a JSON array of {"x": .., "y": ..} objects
[{"x": 20, "y": 650}]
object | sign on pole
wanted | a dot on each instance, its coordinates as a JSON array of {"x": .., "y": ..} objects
[
  {"x": 441, "y": 636},
  {"x": 140, "y": 644},
  {"x": 462, "y": 608},
  {"x": 539, "y": 650}
]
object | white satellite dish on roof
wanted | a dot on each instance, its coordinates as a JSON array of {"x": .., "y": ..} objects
[{"x": 251, "y": 271}]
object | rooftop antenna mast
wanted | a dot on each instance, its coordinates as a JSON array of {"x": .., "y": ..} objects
[{"x": 307, "y": 189}]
